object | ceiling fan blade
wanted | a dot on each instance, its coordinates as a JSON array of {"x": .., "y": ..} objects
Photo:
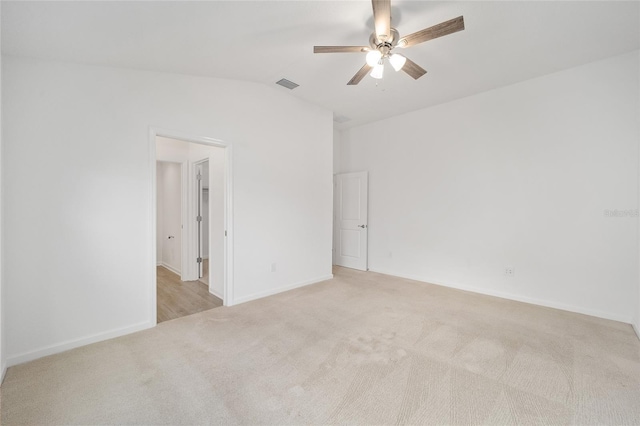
[
  {"x": 413, "y": 69},
  {"x": 359, "y": 75},
  {"x": 382, "y": 19},
  {"x": 340, "y": 49},
  {"x": 445, "y": 28}
]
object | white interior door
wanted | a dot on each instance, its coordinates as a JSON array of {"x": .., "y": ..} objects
[
  {"x": 199, "y": 219},
  {"x": 351, "y": 220}
]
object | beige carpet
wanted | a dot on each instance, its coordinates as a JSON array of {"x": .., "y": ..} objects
[{"x": 362, "y": 348}]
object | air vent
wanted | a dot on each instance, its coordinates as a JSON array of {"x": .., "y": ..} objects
[
  {"x": 340, "y": 119},
  {"x": 286, "y": 83}
]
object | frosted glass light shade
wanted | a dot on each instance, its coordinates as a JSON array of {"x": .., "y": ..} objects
[
  {"x": 378, "y": 70},
  {"x": 373, "y": 57},
  {"x": 397, "y": 61}
]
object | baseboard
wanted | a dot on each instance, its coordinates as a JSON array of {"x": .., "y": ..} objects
[
  {"x": 636, "y": 328},
  {"x": 509, "y": 296},
  {"x": 282, "y": 289},
  {"x": 72, "y": 344},
  {"x": 158, "y": 263},
  {"x": 171, "y": 268},
  {"x": 216, "y": 294}
]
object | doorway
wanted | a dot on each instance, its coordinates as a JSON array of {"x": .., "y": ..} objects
[{"x": 192, "y": 221}]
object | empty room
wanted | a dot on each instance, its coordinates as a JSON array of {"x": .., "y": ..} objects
[{"x": 388, "y": 212}]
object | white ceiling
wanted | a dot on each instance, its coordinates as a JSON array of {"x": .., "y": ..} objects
[{"x": 263, "y": 41}]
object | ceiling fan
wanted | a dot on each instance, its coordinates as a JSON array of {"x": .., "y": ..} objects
[{"x": 385, "y": 38}]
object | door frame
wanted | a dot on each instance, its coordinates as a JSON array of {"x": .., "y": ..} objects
[
  {"x": 228, "y": 286},
  {"x": 336, "y": 219}
]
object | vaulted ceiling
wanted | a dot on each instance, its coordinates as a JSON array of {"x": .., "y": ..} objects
[{"x": 263, "y": 41}]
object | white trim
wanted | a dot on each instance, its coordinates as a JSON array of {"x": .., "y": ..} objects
[
  {"x": 159, "y": 264},
  {"x": 153, "y": 229},
  {"x": 71, "y": 344},
  {"x": 215, "y": 293},
  {"x": 154, "y": 132},
  {"x": 228, "y": 300},
  {"x": 509, "y": 296},
  {"x": 636, "y": 328},
  {"x": 334, "y": 218},
  {"x": 184, "y": 214},
  {"x": 282, "y": 289},
  {"x": 170, "y": 268}
]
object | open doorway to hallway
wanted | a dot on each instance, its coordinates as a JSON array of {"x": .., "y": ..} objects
[{"x": 190, "y": 227}]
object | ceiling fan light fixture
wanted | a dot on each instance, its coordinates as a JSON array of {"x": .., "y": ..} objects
[
  {"x": 397, "y": 61},
  {"x": 373, "y": 57},
  {"x": 385, "y": 38},
  {"x": 378, "y": 70}
]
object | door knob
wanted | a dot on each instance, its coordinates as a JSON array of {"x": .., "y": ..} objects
[{"x": 362, "y": 226}]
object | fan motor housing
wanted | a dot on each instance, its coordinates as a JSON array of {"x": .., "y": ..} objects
[{"x": 375, "y": 43}]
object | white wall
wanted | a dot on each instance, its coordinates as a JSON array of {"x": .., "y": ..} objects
[
  {"x": 94, "y": 281},
  {"x": 3, "y": 364},
  {"x": 636, "y": 324},
  {"x": 519, "y": 176},
  {"x": 169, "y": 190},
  {"x": 217, "y": 223},
  {"x": 337, "y": 144}
]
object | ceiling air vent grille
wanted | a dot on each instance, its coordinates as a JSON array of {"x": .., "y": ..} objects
[{"x": 286, "y": 83}]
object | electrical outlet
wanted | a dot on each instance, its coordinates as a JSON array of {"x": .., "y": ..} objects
[
  {"x": 273, "y": 267},
  {"x": 509, "y": 271}
]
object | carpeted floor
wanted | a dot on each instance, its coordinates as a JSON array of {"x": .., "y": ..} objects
[{"x": 362, "y": 348}]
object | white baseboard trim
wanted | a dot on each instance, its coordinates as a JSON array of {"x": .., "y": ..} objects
[
  {"x": 282, "y": 289},
  {"x": 216, "y": 294},
  {"x": 509, "y": 296},
  {"x": 158, "y": 263},
  {"x": 171, "y": 268},
  {"x": 75, "y": 343}
]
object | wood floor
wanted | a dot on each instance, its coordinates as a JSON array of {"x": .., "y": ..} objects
[{"x": 180, "y": 298}]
